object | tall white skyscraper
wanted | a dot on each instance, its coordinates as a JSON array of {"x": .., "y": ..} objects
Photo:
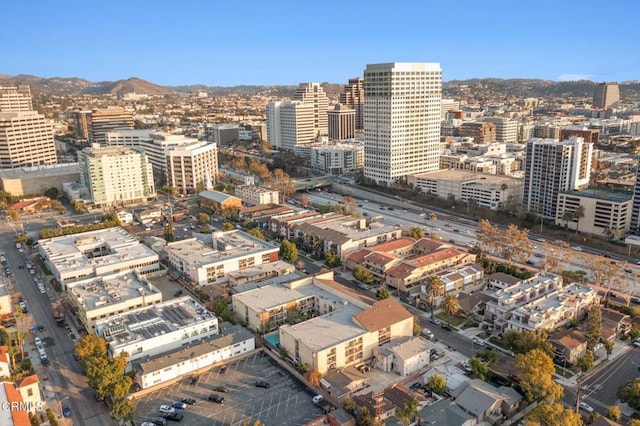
[
  {"x": 401, "y": 120},
  {"x": 290, "y": 124}
]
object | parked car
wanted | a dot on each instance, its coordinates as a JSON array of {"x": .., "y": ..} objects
[
  {"x": 179, "y": 405},
  {"x": 263, "y": 384},
  {"x": 415, "y": 386},
  {"x": 174, "y": 417},
  {"x": 159, "y": 421},
  {"x": 586, "y": 407},
  {"x": 66, "y": 411},
  {"x": 214, "y": 397},
  {"x": 165, "y": 408},
  {"x": 467, "y": 367},
  {"x": 478, "y": 342},
  {"x": 188, "y": 400},
  {"x": 637, "y": 342},
  {"x": 428, "y": 333},
  {"x": 515, "y": 378},
  {"x": 220, "y": 389}
]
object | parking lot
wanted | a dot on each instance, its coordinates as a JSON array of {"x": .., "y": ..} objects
[{"x": 286, "y": 402}]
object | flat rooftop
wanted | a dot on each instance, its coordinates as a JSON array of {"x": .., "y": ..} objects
[
  {"x": 327, "y": 330},
  {"x": 618, "y": 197},
  {"x": 48, "y": 170},
  {"x": 111, "y": 289},
  {"x": 230, "y": 335},
  {"x": 93, "y": 249},
  {"x": 152, "y": 321},
  {"x": 471, "y": 177},
  {"x": 226, "y": 245}
]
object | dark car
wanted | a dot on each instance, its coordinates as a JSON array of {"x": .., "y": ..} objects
[
  {"x": 160, "y": 421},
  {"x": 263, "y": 384},
  {"x": 223, "y": 369},
  {"x": 220, "y": 389},
  {"x": 177, "y": 293},
  {"x": 415, "y": 386},
  {"x": 188, "y": 400},
  {"x": 176, "y": 416},
  {"x": 216, "y": 398},
  {"x": 41, "y": 328},
  {"x": 446, "y": 326},
  {"x": 66, "y": 411},
  {"x": 514, "y": 378}
]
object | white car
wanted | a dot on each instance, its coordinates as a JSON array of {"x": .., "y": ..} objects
[
  {"x": 37, "y": 341},
  {"x": 467, "y": 367},
  {"x": 478, "y": 342},
  {"x": 637, "y": 342},
  {"x": 316, "y": 399},
  {"x": 166, "y": 409},
  {"x": 586, "y": 407}
]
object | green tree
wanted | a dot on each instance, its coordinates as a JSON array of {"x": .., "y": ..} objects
[
  {"x": 91, "y": 346},
  {"x": 594, "y": 324},
  {"x": 536, "y": 370},
  {"x": 522, "y": 342},
  {"x": 450, "y": 306},
  {"x": 585, "y": 363},
  {"x": 203, "y": 218},
  {"x": 122, "y": 408},
  {"x": 435, "y": 288},
  {"x": 256, "y": 233},
  {"x": 577, "y": 215},
  {"x": 489, "y": 356},
  {"x": 332, "y": 259},
  {"x": 168, "y": 189},
  {"x": 409, "y": 411},
  {"x": 382, "y": 293},
  {"x": 608, "y": 346},
  {"x": 230, "y": 213},
  {"x": 630, "y": 393},
  {"x": 288, "y": 251},
  {"x": 227, "y": 226},
  {"x": 52, "y": 193},
  {"x": 553, "y": 415},
  {"x": 416, "y": 233},
  {"x": 362, "y": 274},
  {"x": 613, "y": 413},
  {"x": 479, "y": 367},
  {"x": 437, "y": 383}
]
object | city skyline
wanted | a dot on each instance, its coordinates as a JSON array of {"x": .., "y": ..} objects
[{"x": 277, "y": 44}]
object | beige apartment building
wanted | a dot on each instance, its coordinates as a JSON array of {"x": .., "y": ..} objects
[
  {"x": 605, "y": 213},
  {"x": 256, "y": 195},
  {"x": 193, "y": 167}
]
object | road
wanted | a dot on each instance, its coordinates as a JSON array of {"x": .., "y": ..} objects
[{"x": 62, "y": 379}]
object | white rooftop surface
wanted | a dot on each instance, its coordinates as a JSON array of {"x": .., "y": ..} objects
[
  {"x": 526, "y": 286},
  {"x": 68, "y": 252},
  {"x": 346, "y": 227},
  {"x": 327, "y": 330},
  {"x": 280, "y": 279},
  {"x": 266, "y": 296},
  {"x": 555, "y": 300},
  {"x": 226, "y": 245},
  {"x": 151, "y": 321},
  {"x": 111, "y": 289}
]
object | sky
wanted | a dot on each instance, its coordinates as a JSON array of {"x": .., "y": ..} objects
[{"x": 276, "y": 42}]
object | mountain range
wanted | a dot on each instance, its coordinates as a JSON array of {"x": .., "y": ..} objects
[{"x": 455, "y": 88}]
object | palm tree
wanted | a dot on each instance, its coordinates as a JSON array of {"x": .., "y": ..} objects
[
  {"x": 435, "y": 289},
  {"x": 577, "y": 215},
  {"x": 450, "y": 305}
]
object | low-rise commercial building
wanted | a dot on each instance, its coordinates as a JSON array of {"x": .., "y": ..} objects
[
  {"x": 404, "y": 356},
  {"x": 96, "y": 253},
  {"x": 487, "y": 190},
  {"x": 153, "y": 330},
  {"x": 256, "y": 195},
  {"x": 605, "y": 213},
  {"x": 217, "y": 201},
  {"x": 230, "y": 251},
  {"x": 233, "y": 341},
  {"x": 38, "y": 179},
  {"x": 101, "y": 297}
]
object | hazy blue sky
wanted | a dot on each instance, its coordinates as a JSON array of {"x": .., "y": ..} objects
[{"x": 233, "y": 42}]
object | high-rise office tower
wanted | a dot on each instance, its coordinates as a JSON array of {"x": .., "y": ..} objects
[
  {"x": 193, "y": 167},
  {"x": 15, "y": 99},
  {"x": 291, "y": 123},
  {"x": 116, "y": 175},
  {"x": 313, "y": 93},
  {"x": 480, "y": 132},
  {"x": 606, "y": 95},
  {"x": 26, "y": 137},
  {"x": 342, "y": 122},
  {"x": 551, "y": 166},
  {"x": 353, "y": 97},
  {"x": 103, "y": 121},
  {"x": 401, "y": 120}
]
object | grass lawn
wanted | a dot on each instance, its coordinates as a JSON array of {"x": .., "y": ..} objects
[{"x": 453, "y": 320}]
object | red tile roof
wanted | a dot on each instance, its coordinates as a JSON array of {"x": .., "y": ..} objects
[
  {"x": 380, "y": 259},
  {"x": 358, "y": 256},
  {"x": 394, "y": 244},
  {"x": 20, "y": 418},
  {"x": 29, "y": 380},
  {"x": 384, "y": 313}
]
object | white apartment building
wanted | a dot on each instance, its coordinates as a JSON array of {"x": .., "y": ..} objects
[
  {"x": 553, "y": 310},
  {"x": 255, "y": 195},
  {"x": 550, "y": 167},
  {"x": 402, "y": 110},
  {"x": 233, "y": 341},
  {"x": 116, "y": 175},
  {"x": 96, "y": 253},
  {"x": 230, "y": 251},
  {"x": 487, "y": 190},
  {"x": 102, "y": 297},
  {"x": 192, "y": 166},
  {"x": 153, "y": 330},
  {"x": 335, "y": 158},
  {"x": 26, "y": 137},
  {"x": 291, "y": 123}
]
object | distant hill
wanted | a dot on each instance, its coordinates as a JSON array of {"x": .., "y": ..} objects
[{"x": 79, "y": 86}]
